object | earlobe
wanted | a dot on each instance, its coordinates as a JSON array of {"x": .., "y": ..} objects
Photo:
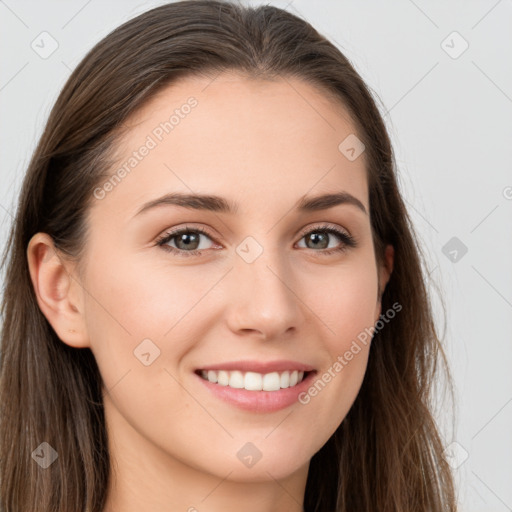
[{"x": 57, "y": 292}]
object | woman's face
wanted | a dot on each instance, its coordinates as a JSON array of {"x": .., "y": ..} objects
[{"x": 263, "y": 284}]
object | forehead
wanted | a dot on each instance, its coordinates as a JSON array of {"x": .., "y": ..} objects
[{"x": 240, "y": 137}]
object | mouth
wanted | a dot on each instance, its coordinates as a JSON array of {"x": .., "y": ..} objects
[
  {"x": 253, "y": 381},
  {"x": 257, "y": 386}
]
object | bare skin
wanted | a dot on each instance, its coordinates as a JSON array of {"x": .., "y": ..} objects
[{"x": 264, "y": 145}]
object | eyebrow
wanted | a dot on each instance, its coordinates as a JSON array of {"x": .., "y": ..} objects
[{"x": 221, "y": 205}]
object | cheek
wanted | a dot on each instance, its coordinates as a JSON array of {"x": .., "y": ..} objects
[
  {"x": 126, "y": 306},
  {"x": 347, "y": 305},
  {"x": 140, "y": 299},
  {"x": 131, "y": 300},
  {"x": 344, "y": 298},
  {"x": 137, "y": 323}
]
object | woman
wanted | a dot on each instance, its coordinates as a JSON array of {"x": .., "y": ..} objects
[{"x": 214, "y": 297}]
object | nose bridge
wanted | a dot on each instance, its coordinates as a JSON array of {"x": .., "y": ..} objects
[{"x": 263, "y": 299}]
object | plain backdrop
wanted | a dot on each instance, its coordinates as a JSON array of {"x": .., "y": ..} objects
[{"x": 441, "y": 71}]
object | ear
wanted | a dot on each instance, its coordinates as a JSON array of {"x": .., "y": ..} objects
[
  {"x": 58, "y": 292},
  {"x": 384, "y": 272}
]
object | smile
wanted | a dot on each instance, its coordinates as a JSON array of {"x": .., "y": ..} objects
[{"x": 252, "y": 381}]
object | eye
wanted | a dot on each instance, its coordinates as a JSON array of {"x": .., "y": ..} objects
[
  {"x": 319, "y": 236},
  {"x": 187, "y": 240}
]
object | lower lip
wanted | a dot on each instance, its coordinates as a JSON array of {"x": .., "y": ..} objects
[{"x": 259, "y": 401}]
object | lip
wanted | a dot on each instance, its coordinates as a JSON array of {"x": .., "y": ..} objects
[
  {"x": 258, "y": 401},
  {"x": 260, "y": 366}
]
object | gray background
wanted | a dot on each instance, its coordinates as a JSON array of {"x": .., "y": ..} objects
[{"x": 449, "y": 114}]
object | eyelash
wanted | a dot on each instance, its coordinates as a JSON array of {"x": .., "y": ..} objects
[{"x": 347, "y": 240}]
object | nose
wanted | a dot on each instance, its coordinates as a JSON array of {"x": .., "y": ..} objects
[{"x": 263, "y": 300}]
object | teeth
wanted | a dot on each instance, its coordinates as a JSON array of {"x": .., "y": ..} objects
[
  {"x": 271, "y": 381},
  {"x": 285, "y": 380},
  {"x": 253, "y": 381},
  {"x": 236, "y": 380},
  {"x": 223, "y": 378}
]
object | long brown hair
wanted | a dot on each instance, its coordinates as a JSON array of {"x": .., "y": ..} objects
[{"x": 387, "y": 454}]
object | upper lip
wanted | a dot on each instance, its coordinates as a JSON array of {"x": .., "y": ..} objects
[{"x": 260, "y": 366}]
